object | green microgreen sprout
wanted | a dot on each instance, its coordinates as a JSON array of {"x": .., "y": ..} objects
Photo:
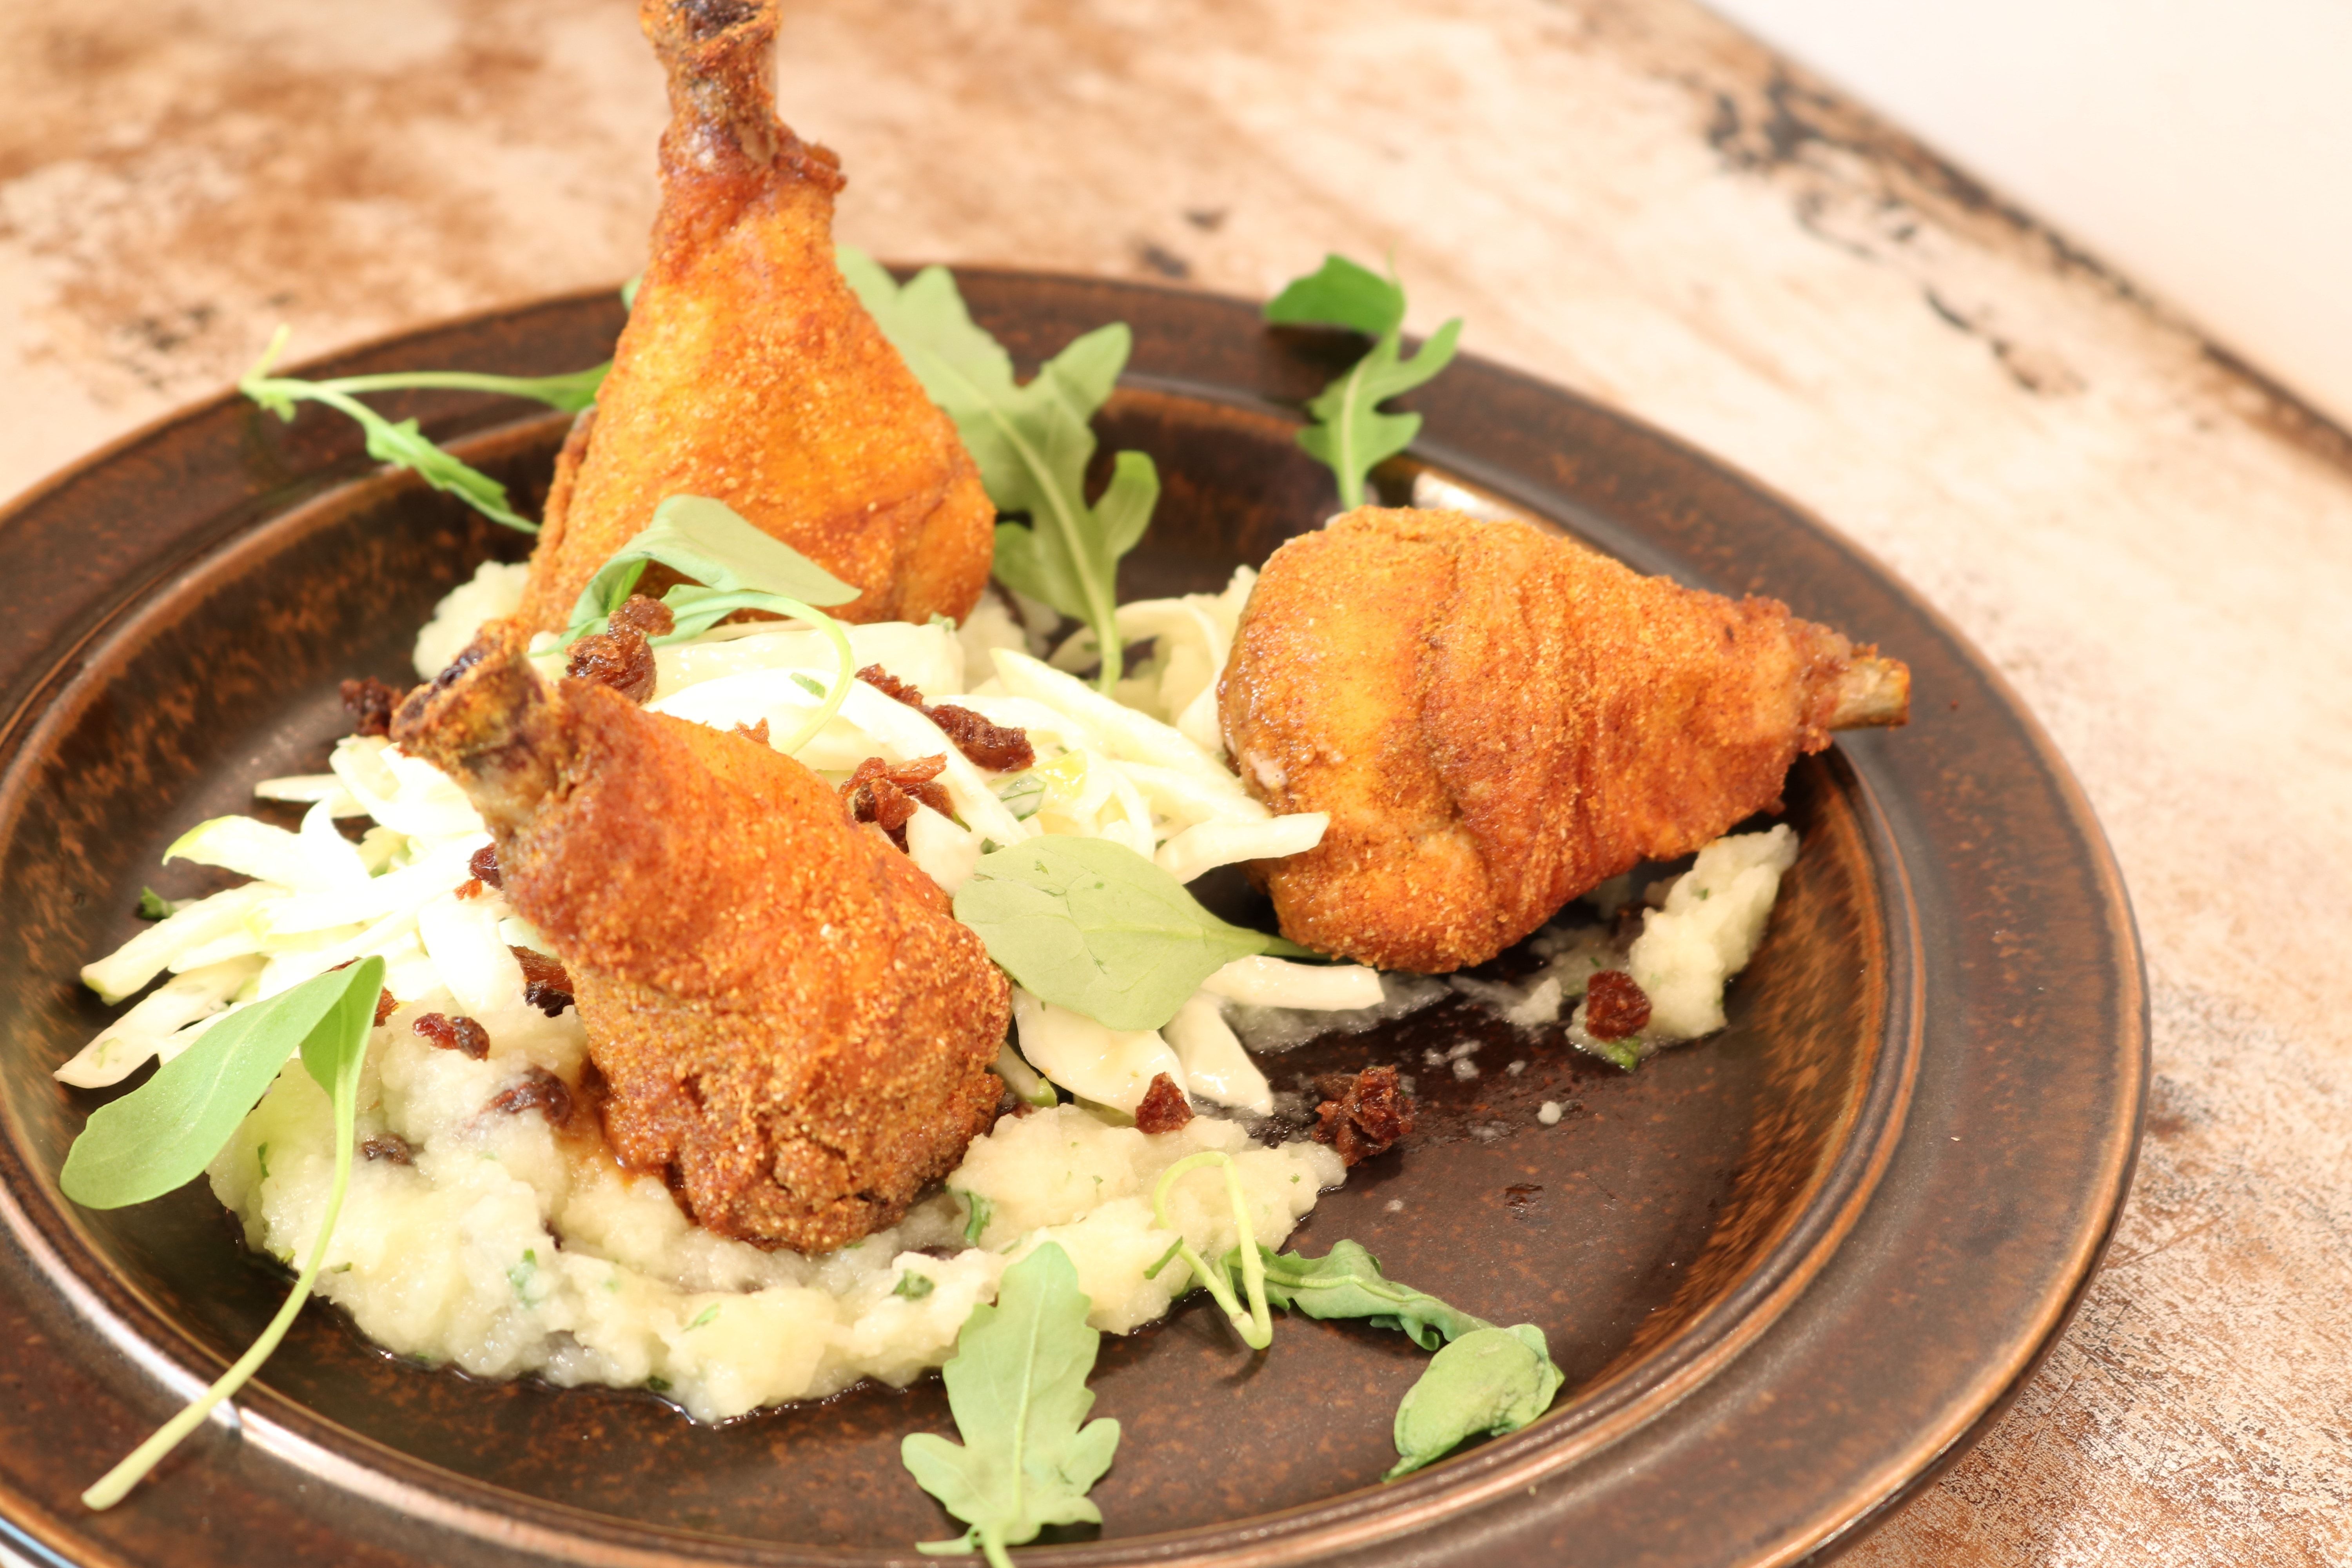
[
  {"x": 333, "y": 1017},
  {"x": 1255, "y": 1325}
]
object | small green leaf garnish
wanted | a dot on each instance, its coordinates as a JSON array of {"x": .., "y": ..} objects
[
  {"x": 711, "y": 544},
  {"x": 708, "y": 1315},
  {"x": 403, "y": 444},
  {"x": 1091, "y": 925},
  {"x": 657, "y": 1385},
  {"x": 1351, "y": 435},
  {"x": 1030, "y": 441},
  {"x": 980, "y": 1211},
  {"x": 153, "y": 906},
  {"x": 1489, "y": 1381},
  {"x": 733, "y": 566},
  {"x": 1490, "y": 1388},
  {"x": 1017, "y": 1384},
  {"x": 333, "y": 1044},
  {"x": 163, "y": 1133},
  {"x": 911, "y": 1286},
  {"x": 1347, "y": 1282}
]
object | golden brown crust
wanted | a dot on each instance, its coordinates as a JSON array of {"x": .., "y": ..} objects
[
  {"x": 789, "y": 1021},
  {"x": 749, "y": 372},
  {"x": 1498, "y": 721}
]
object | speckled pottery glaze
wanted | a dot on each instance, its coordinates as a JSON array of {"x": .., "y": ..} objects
[{"x": 1791, "y": 1270}]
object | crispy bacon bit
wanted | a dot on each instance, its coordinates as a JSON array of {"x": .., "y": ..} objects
[
  {"x": 1164, "y": 1107},
  {"x": 461, "y": 1035},
  {"x": 620, "y": 659},
  {"x": 646, "y": 618},
  {"x": 539, "y": 1090},
  {"x": 483, "y": 864},
  {"x": 370, "y": 703},
  {"x": 1361, "y": 1115},
  {"x": 545, "y": 986},
  {"x": 756, "y": 731},
  {"x": 1615, "y": 1005},
  {"x": 891, "y": 685},
  {"x": 886, "y": 796},
  {"x": 987, "y": 745},
  {"x": 389, "y": 1146},
  {"x": 386, "y": 1005}
]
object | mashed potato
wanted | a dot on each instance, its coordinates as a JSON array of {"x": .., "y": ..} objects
[
  {"x": 496, "y": 1232},
  {"x": 494, "y": 1241}
]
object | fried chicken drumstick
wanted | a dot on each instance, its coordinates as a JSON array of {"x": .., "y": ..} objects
[
  {"x": 791, "y": 1025},
  {"x": 1498, "y": 720},
  {"x": 749, "y": 372}
]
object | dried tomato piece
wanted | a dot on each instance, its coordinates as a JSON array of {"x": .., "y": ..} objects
[
  {"x": 386, "y": 1005},
  {"x": 1362, "y": 1115},
  {"x": 460, "y": 1034},
  {"x": 620, "y": 659},
  {"x": 539, "y": 1090},
  {"x": 646, "y": 618},
  {"x": 389, "y": 1146},
  {"x": 370, "y": 703},
  {"x": 987, "y": 745},
  {"x": 1615, "y": 1005},
  {"x": 886, "y": 796},
  {"x": 1163, "y": 1107},
  {"x": 545, "y": 984},
  {"x": 483, "y": 864}
]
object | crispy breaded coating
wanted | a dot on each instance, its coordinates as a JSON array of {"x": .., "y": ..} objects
[
  {"x": 749, "y": 372},
  {"x": 791, "y": 1025},
  {"x": 1498, "y": 720}
]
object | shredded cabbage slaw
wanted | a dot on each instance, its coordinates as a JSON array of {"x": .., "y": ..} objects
[{"x": 1144, "y": 769}]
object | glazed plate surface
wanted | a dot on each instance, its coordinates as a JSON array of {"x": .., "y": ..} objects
[{"x": 1790, "y": 1271}]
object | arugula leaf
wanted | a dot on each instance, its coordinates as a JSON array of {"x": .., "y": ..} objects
[
  {"x": 1092, "y": 926},
  {"x": 163, "y": 1133},
  {"x": 1351, "y": 435},
  {"x": 1483, "y": 1379},
  {"x": 1031, "y": 442},
  {"x": 735, "y": 567},
  {"x": 403, "y": 444},
  {"x": 1490, "y": 1381},
  {"x": 1017, "y": 1384},
  {"x": 333, "y": 1046},
  {"x": 1347, "y": 1282},
  {"x": 1341, "y": 293}
]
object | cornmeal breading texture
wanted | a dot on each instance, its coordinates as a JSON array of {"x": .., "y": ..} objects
[
  {"x": 1497, "y": 720},
  {"x": 749, "y": 372},
  {"x": 788, "y": 1023}
]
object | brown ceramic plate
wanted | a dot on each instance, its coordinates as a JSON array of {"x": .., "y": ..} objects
[{"x": 1790, "y": 1271}]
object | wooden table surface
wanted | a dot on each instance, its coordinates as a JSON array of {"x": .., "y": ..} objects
[{"x": 1625, "y": 197}]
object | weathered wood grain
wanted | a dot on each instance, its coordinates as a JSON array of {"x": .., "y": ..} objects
[{"x": 1625, "y": 197}]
